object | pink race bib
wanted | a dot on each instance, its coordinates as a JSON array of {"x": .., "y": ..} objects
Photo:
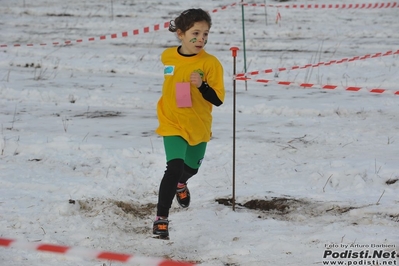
[{"x": 183, "y": 94}]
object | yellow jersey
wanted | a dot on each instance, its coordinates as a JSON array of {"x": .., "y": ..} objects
[{"x": 191, "y": 123}]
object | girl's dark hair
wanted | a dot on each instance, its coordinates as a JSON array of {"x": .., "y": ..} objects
[{"x": 187, "y": 19}]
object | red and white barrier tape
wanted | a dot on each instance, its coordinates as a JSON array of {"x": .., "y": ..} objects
[
  {"x": 332, "y": 62},
  {"x": 153, "y": 28},
  {"x": 89, "y": 254},
  {"x": 223, "y": 8},
  {"x": 100, "y": 38},
  {"x": 327, "y": 86},
  {"x": 166, "y": 24},
  {"x": 330, "y": 6}
]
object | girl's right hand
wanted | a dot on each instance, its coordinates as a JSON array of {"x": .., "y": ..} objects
[{"x": 195, "y": 79}]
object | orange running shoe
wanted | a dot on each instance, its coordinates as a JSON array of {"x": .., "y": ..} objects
[
  {"x": 183, "y": 195},
  {"x": 161, "y": 228}
]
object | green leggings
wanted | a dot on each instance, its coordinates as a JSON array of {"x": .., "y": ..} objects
[{"x": 177, "y": 148}]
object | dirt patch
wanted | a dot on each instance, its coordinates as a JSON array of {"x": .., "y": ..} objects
[
  {"x": 280, "y": 205},
  {"x": 285, "y": 208},
  {"x": 140, "y": 211},
  {"x": 100, "y": 114},
  {"x": 392, "y": 181},
  {"x": 93, "y": 207},
  {"x": 277, "y": 204},
  {"x": 109, "y": 214},
  {"x": 59, "y": 15}
]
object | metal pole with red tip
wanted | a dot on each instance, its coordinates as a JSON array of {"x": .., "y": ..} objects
[{"x": 234, "y": 54}]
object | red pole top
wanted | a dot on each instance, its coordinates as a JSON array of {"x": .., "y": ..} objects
[{"x": 234, "y": 51}]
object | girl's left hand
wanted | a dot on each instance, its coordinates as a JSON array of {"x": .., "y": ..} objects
[{"x": 195, "y": 79}]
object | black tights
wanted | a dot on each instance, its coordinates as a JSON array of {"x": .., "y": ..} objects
[{"x": 176, "y": 171}]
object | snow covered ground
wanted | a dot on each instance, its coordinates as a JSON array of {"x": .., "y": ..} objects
[{"x": 80, "y": 164}]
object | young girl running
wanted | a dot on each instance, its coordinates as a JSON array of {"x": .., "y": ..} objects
[{"x": 193, "y": 83}]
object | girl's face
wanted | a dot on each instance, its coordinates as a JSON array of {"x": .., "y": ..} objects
[{"x": 194, "y": 39}]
